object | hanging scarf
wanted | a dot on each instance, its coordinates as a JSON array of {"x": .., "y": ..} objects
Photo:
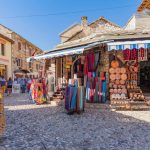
[
  {"x": 134, "y": 54},
  {"x": 86, "y": 66},
  {"x": 142, "y": 54},
  {"x": 127, "y": 54}
]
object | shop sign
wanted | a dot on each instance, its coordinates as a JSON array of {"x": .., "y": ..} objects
[{"x": 16, "y": 88}]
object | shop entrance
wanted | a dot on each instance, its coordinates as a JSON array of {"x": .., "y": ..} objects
[
  {"x": 145, "y": 76},
  {"x": 3, "y": 70}
]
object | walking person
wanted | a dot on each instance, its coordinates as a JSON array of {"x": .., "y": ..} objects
[
  {"x": 23, "y": 85},
  {"x": 3, "y": 84},
  {"x": 9, "y": 86}
]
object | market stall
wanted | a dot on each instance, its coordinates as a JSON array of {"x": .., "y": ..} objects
[
  {"x": 126, "y": 72},
  {"x": 89, "y": 78}
]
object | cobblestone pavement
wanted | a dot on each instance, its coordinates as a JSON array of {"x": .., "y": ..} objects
[{"x": 47, "y": 127}]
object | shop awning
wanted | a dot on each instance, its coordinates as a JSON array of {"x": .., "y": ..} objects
[
  {"x": 65, "y": 52},
  {"x": 58, "y": 53},
  {"x": 128, "y": 44}
]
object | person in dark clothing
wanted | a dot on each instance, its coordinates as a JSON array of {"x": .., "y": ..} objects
[{"x": 9, "y": 86}]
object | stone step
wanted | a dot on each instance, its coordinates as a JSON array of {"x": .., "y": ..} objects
[
  {"x": 97, "y": 106},
  {"x": 144, "y": 108}
]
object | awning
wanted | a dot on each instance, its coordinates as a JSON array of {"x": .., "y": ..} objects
[
  {"x": 58, "y": 53},
  {"x": 65, "y": 52},
  {"x": 128, "y": 44},
  {"x": 21, "y": 71}
]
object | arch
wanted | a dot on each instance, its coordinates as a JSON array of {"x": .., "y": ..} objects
[{"x": 73, "y": 65}]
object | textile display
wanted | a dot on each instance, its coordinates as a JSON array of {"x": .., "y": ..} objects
[
  {"x": 80, "y": 98},
  {"x": 91, "y": 62},
  {"x": 143, "y": 54},
  {"x": 135, "y": 54},
  {"x": 96, "y": 90},
  {"x": 38, "y": 91},
  {"x": 74, "y": 98},
  {"x": 94, "y": 81}
]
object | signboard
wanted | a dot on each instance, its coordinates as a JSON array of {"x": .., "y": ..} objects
[{"x": 16, "y": 88}]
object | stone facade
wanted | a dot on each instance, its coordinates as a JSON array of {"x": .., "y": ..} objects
[
  {"x": 5, "y": 57},
  {"x": 139, "y": 21},
  {"x": 21, "y": 49},
  {"x": 81, "y": 31},
  {"x": 84, "y": 29}
]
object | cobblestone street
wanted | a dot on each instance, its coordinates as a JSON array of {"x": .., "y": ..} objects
[{"x": 47, "y": 127}]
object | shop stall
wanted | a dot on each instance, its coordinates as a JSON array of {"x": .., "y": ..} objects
[
  {"x": 127, "y": 76},
  {"x": 89, "y": 73},
  {"x": 88, "y": 66}
]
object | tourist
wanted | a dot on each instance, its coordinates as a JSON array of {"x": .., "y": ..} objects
[
  {"x": 9, "y": 86},
  {"x": 3, "y": 84},
  {"x": 28, "y": 84},
  {"x": 22, "y": 85}
]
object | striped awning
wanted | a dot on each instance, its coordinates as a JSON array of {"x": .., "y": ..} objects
[{"x": 128, "y": 44}]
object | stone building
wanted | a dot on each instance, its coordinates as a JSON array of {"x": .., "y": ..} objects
[
  {"x": 5, "y": 55},
  {"x": 20, "y": 50},
  {"x": 81, "y": 36},
  {"x": 59, "y": 68}
]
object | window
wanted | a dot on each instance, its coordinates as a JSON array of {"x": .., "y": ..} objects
[
  {"x": 37, "y": 66},
  {"x": 30, "y": 52},
  {"x": 19, "y": 62},
  {"x": 19, "y": 46},
  {"x": 2, "y": 49},
  {"x": 30, "y": 65}
]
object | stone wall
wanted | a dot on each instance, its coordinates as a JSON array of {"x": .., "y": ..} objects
[{"x": 22, "y": 49}]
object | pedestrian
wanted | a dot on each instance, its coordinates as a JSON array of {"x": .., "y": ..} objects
[
  {"x": 28, "y": 84},
  {"x": 9, "y": 86},
  {"x": 23, "y": 85},
  {"x": 3, "y": 84},
  {"x": 31, "y": 97}
]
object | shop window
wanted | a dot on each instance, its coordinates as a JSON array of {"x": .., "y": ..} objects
[
  {"x": 2, "y": 49},
  {"x": 19, "y": 46}
]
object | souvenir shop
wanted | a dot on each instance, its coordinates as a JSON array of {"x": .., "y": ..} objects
[
  {"x": 82, "y": 72},
  {"x": 129, "y": 73},
  {"x": 88, "y": 82}
]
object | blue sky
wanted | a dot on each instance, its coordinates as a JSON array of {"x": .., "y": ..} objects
[{"x": 44, "y": 30}]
